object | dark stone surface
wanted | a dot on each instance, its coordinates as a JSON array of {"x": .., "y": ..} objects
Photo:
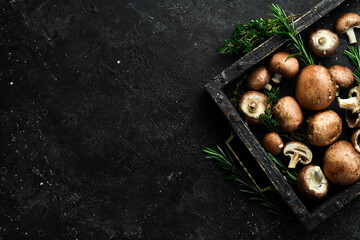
[{"x": 104, "y": 117}]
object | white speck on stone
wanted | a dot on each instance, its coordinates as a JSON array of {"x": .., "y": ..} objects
[
  {"x": 118, "y": 62},
  {"x": 11, "y": 83}
]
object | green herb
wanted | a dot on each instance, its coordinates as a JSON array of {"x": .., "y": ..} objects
[
  {"x": 290, "y": 174},
  {"x": 247, "y": 37},
  {"x": 245, "y": 183},
  {"x": 354, "y": 55},
  {"x": 236, "y": 94},
  {"x": 294, "y": 39}
]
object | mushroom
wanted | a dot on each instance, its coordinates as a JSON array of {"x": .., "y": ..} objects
[
  {"x": 352, "y": 106},
  {"x": 298, "y": 152},
  {"x": 288, "y": 114},
  {"x": 282, "y": 66},
  {"x": 312, "y": 183},
  {"x": 251, "y": 105},
  {"x": 315, "y": 90},
  {"x": 273, "y": 143},
  {"x": 324, "y": 128},
  {"x": 342, "y": 77},
  {"x": 346, "y": 24},
  {"x": 259, "y": 78},
  {"x": 342, "y": 163},
  {"x": 323, "y": 42},
  {"x": 355, "y": 140}
]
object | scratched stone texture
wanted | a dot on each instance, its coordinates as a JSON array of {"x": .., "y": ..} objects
[{"x": 104, "y": 117}]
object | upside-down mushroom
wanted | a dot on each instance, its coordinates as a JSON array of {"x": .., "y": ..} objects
[
  {"x": 323, "y": 42},
  {"x": 355, "y": 140},
  {"x": 312, "y": 183},
  {"x": 298, "y": 152},
  {"x": 251, "y": 105}
]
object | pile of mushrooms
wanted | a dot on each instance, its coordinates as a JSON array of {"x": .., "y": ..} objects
[{"x": 315, "y": 90}]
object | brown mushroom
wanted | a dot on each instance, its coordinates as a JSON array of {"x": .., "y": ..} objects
[
  {"x": 288, "y": 113},
  {"x": 324, "y": 128},
  {"x": 312, "y": 183},
  {"x": 259, "y": 78},
  {"x": 342, "y": 163},
  {"x": 251, "y": 105},
  {"x": 282, "y": 66},
  {"x": 273, "y": 143},
  {"x": 342, "y": 77},
  {"x": 298, "y": 152},
  {"x": 355, "y": 140},
  {"x": 315, "y": 90},
  {"x": 352, "y": 106},
  {"x": 346, "y": 24},
  {"x": 323, "y": 42}
]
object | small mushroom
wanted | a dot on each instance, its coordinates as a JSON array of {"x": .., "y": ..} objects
[
  {"x": 251, "y": 105},
  {"x": 282, "y": 66},
  {"x": 346, "y": 24},
  {"x": 355, "y": 140},
  {"x": 352, "y": 106},
  {"x": 342, "y": 76},
  {"x": 273, "y": 143},
  {"x": 288, "y": 113},
  {"x": 323, "y": 42},
  {"x": 315, "y": 90},
  {"x": 312, "y": 183},
  {"x": 342, "y": 163},
  {"x": 324, "y": 128},
  {"x": 259, "y": 78},
  {"x": 298, "y": 152}
]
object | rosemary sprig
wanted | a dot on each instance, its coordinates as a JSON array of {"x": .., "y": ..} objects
[
  {"x": 290, "y": 174},
  {"x": 294, "y": 39},
  {"x": 247, "y": 37},
  {"x": 354, "y": 55},
  {"x": 245, "y": 184}
]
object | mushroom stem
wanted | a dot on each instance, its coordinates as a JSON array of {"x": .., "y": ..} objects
[
  {"x": 276, "y": 78},
  {"x": 322, "y": 40},
  {"x": 337, "y": 90},
  {"x": 318, "y": 176},
  {"x": 253, "y": 106},
  {"x": 268, "y": 87},
  {"x": 294, "y": 160},
  {"x": 351, "y": 103},
  {"x": 351, "y": 35}
]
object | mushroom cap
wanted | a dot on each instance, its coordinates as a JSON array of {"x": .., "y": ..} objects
[
  {"x": 298, "y": 152},
  {"x": 324, "y": 128},
  {"x": 312, "y": 183},
  {"x": 346, "y": 21},
  {"x": 258, "y": 78},
  {"x": 288, "y": 113},
  {"x": 323, "y": 42},
  {"x": 355, "y": 140},
  {"x": 315, "y": 90},
  {"x": 273, "y": 143},
  {"x": 287, "y": 68},
  {"x": 251, "y": 105},
  {"x": 342, "y": 163},
  {"x": 342, "y": 76}
]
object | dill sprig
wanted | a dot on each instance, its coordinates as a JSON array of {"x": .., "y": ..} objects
[
  {"x": 354, "y": 55},
  {"x": 247, "y": 37},
  {"x": 294, "y": 39},
  {"x": 290, "y": 174},
  {"x": 245, "y": 184}
]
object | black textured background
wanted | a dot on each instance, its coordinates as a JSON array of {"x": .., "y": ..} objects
[{"x": 104, "y": 117}]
